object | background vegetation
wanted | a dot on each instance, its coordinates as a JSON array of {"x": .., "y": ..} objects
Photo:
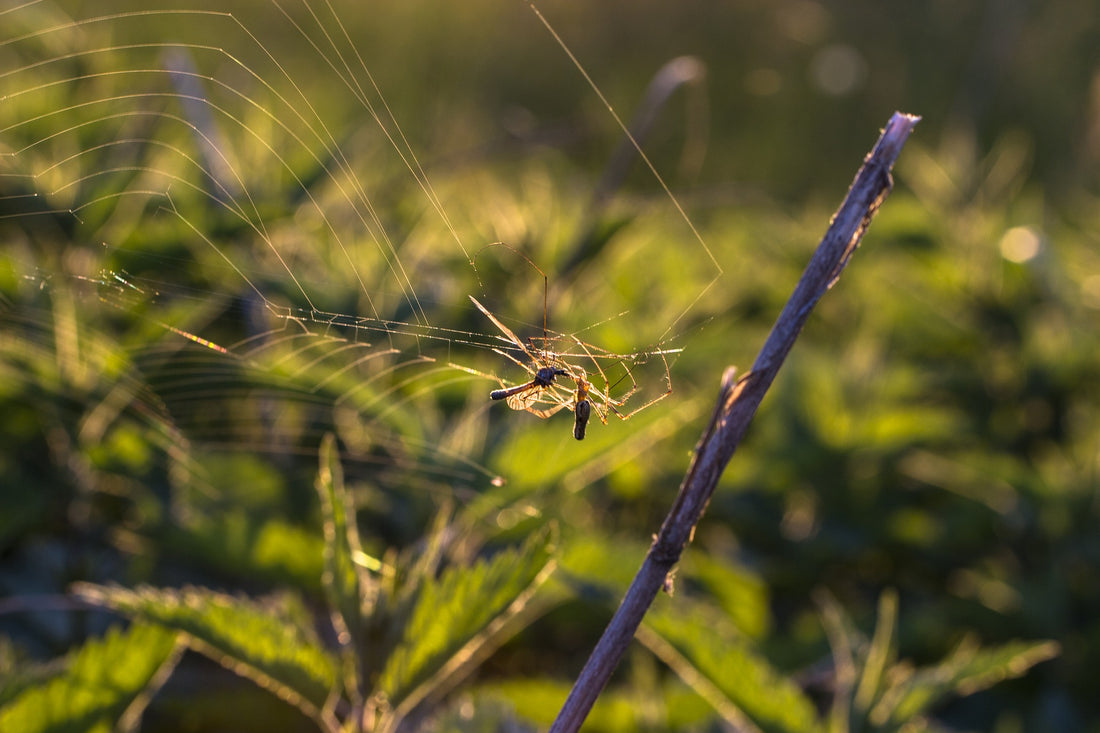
[{"x": 921, "y": 482}]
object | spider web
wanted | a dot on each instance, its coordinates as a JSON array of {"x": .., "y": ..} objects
[{"x": 217, "y": 210}]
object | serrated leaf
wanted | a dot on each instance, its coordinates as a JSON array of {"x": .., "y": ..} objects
[
  {"x": 457, "y": 614},
  {"x": 706, "y": 652},
  {"x": 968, "y": 670},
  {"x": 270, "y": 644},
  {"x": 344, "y": 581},
  {"x": 105, "y": 680}
]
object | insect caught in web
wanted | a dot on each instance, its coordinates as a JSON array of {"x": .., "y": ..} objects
[{"x": 545, "y": 392}]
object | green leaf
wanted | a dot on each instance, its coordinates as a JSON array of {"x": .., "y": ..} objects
[
  {"x": 106, "y": 680},
  {"x": 870, "y": 688},
  {"x": 592, "y": 560},
  {"x": 458, "y": 617},
  {"x": 271, "y": 644},
  {"x": 742, "y": 594},
  {"x": 704, "y": 649},
  {"x": 880, "y": 653},
  {"x": 239, "y": 543},
  {"x": 968, "y": 670},
  {"x": 344, "y": 580},
  {"x": 630, "y": 706}
]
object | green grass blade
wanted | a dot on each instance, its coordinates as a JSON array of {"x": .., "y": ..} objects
[{"x": 106, "y": 681}]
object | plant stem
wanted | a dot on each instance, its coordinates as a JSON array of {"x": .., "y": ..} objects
[{"x": 736, "y": 405}]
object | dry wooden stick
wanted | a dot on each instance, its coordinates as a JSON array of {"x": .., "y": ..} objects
[{"x": 737, "y": 403}]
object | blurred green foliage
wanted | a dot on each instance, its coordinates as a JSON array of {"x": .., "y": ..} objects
[{"x": 935, "y": 433}]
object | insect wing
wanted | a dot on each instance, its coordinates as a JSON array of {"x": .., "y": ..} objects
[{"x": 525, "y": 399}]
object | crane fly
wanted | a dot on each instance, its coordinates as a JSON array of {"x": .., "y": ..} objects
[
  {"x": 544, "y": 368},
  {"x": 544, "y": 395},
  {"x": 543, "y": 378}
]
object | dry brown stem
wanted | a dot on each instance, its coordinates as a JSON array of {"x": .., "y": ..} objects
[{"x": 736, "y": 405}]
